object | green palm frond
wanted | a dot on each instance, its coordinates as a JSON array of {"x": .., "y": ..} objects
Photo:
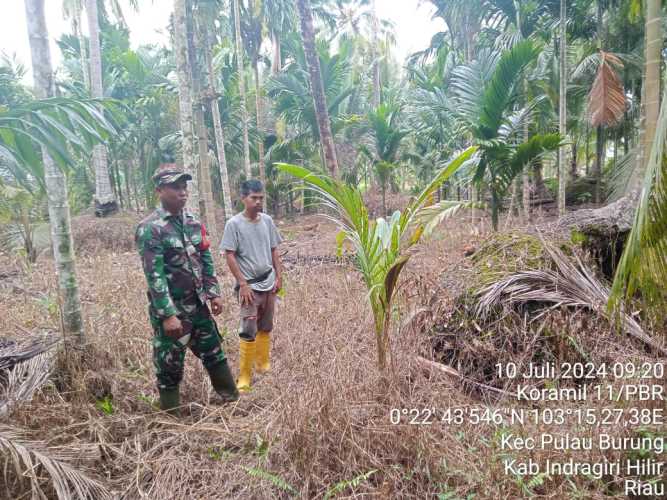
[
  {"x": 384, "y": 125},
  {"x": 62, "y": 126},
  {"x": 498, "y": 92},
  {"x": 523, "y": 155},
  {"x": 643, "y": 265},
  {"x": 618, "y": 178},
  {"x": 430, "y": 217},
  {"x": 468, "y": 83},
  {"x": 484, "y": 89}
]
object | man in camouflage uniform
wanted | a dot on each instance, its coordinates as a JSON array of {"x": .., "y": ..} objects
[{"x": 181, "y": 280}]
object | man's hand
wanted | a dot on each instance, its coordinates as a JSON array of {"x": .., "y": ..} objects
[
  {"x": 278, "y": 285},
  {"x": 172, "y": 327},
  {"x": 216, "y": 306},
  {"x": 246, "y": 294}
]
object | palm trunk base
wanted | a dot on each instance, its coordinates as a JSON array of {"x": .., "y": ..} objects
[
  {"x": 105, "y": 209},
  {"x": 602, "y": 231}
]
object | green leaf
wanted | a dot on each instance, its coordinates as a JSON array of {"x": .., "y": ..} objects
[
  {"x": 643, "y": 265},
  {"x": 340, "y": 239},
  {"x": 353, "y": 483},
  {"x": 274, "y": 479}
]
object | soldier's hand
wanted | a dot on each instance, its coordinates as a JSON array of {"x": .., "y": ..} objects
[
  {"x": 172, "y": 327},
  {"x": 245, "y": 292},
  {"x": 216, "y": 306}
]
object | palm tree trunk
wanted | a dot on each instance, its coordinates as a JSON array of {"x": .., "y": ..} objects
[
  {"x": 258, "y": 111},
  {"x": 600, "y": 136},
  {"x": 599, "y": 162},
  {"x": 185, "y": 101},
  {"x": 128, "y": 192},
  {"x": 384, "y": 200},
  {"x": 651, "y": 100},
  {"x": 276, "y": 63},
  {"x": 241, "y": 76},
  {"x": 206, "y": 205},
  {"x": 218, "y": 130},
  {"x": 317, "y": 88},
  {"x": 562, "y": 109},
  {"x": 104, "y": 199},
  {"x": 377, "y": 96},
  {"x": 495, "y": 208},
  {"x": 587, "y": 149},
  {"x": 56, "y": 185},
  {"x": 525, "y": 174},
  {"x": 76, "y": 25}
]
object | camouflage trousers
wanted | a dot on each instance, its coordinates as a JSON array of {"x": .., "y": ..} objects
[{"x": 169, "y": 355}]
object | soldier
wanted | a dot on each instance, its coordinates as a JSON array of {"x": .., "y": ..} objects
[
  {"x": 250, "y": 244},
  {"x": 178, "y": 265}
]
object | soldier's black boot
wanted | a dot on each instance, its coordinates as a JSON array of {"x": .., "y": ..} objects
[
  {"x": 170, "y": 401},
  {"x": 223, "y": 382}
]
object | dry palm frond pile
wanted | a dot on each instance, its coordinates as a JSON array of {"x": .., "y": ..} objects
[
  {"x": 45, "y": 471},
  {"x": 531, "y": 300}
]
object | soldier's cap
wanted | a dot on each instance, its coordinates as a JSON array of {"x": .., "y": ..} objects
[{"x": 165, "y": 176}]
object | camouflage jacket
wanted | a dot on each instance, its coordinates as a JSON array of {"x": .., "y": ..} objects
[{"x": 177, "y": 263}]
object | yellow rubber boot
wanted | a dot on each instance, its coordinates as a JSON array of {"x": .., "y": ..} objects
[
  {"x": 246, "y": 360},
  {"x": 263, "y": 356}
]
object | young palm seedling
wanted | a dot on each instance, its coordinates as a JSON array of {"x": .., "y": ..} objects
[{"x": 380, "y": 245}]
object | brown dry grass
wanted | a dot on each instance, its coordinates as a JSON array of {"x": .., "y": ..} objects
[{"x": 319, "y": 420}]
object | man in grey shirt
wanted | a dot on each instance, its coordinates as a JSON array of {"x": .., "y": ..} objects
[{"x": 250, "y": 244}]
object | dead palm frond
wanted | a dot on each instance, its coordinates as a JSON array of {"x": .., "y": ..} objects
[
  {"x": 606, "y": 101},
  {"x": 23, "y": 380},
  {"x": 31, "y": 459},
  {"x": 16, "y": 351},
  {"x": 565, "y": 284}
]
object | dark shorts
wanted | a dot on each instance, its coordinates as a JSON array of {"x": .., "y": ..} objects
[
  {"x": 169, "y": 355},
  {"x": 257, "y": 316}
]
